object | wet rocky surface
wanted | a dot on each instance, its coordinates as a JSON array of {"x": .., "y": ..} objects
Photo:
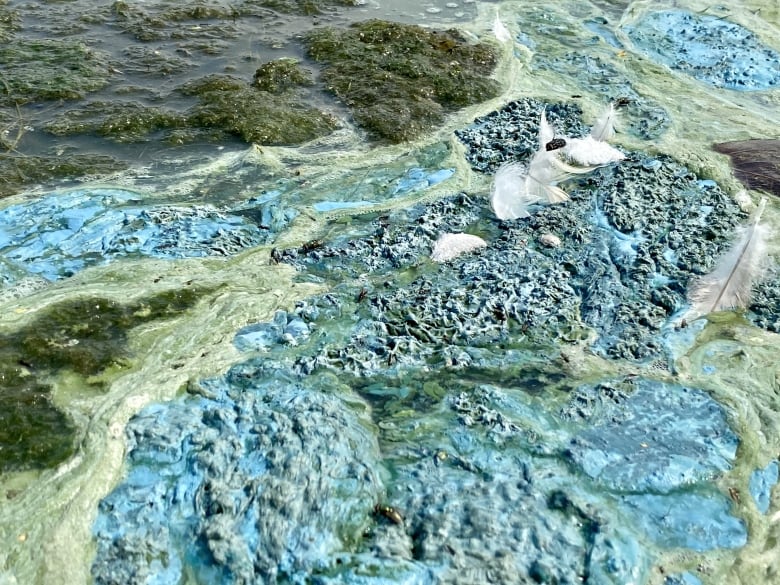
[{"x": 173, "y": 79}]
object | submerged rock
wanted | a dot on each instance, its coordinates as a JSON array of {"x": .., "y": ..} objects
[
  {"x": 84, "y": 337},
  {"x": 50, "y": 69}
]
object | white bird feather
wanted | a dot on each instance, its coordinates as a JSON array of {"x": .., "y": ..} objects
[
  {"x": 730, "y": 284},
  {"x": 604, "y": 127},
  {"x": 510, "y": 198},
  {"x": 501, "y": 31},
  {"x": 516, "y": 188}
]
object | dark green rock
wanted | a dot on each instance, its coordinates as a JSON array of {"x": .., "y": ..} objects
[
  {"x": 120, "y": 121},
  {"x": 33, "y": 433},
  {"x": 9, "y": 21},
  {"x": 254, "y": 115},
  {"x": 399, "y": 80}
]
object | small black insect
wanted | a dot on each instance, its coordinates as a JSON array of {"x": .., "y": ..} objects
[
  {"x": 555, "y": 144},
  {"x": 622, "y": 101},
  {"x": 276, "y": 256}
]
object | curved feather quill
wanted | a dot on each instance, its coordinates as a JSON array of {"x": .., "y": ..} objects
[{"x": 730, "y": 284}]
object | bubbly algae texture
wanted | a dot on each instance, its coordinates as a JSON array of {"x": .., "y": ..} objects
[{"x": 258, "y": 374}]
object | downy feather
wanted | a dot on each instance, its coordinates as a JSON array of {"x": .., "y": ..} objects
[
  {"x": 589, "y": 151},
  {"x": 510, "y": 198},
  {"x": 604, "y": 127},
  {"x": 546, "y": 133},
  {"x": 500, "y": 30},
  {"x": 730, "y": 284}
]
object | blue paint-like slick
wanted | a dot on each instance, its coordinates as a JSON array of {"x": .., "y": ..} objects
[
  {"x": 761, "y": 483},
  {"x": 711, "y": 49},
  {"x": 256, "y": 479},
  {"x": 62, "y": 233}
]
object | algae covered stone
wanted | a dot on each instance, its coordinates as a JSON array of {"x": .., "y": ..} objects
[
  {"x": 269, "y": 111},
  {"x": 256, "y": 115},
  {"x": 281, "y": 74},
  {"x": 18, "y": 171},
  {"x": 399, "y": 80}
]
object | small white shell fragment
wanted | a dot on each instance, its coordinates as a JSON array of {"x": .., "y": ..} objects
[
  {"x": 450, "y": 246},
  {"x": 550, "y": 240}
]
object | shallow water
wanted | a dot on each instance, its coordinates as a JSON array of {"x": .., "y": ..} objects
[{"x": 487, "y": 438}]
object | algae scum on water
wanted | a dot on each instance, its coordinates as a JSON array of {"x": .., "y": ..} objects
[
  {"x": 86, "y": 336},
  {"x": 251, "y": 369}
]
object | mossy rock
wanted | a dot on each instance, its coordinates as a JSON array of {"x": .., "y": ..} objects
[
  {"x": 399, "y": 80},
  {"x": 85, "y": 336},
  {"x": 90, "y": 335},
  {"x": 46, "y": 69},
  {"x": 258, "y": 116},
  {"x": 227, "y": 106},
  {"x": 281, "y": 75},
  {"x": 122, "y": 122},
  {"x": 18, "y": 172}
]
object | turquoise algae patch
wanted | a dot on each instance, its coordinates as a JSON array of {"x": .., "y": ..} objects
[
  {"x": 414, "y": 180},
  {"x": 62, "y": 233},
  {"x": 761, "y": 483},
  {"x": 253, "y": 479},
  {"x": 713, "y": 50}
]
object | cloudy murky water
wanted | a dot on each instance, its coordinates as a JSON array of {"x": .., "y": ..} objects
[{"x": 227, "y": 357}]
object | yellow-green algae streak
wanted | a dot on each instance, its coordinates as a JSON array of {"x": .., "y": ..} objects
[{"x": 46, "y": 517}]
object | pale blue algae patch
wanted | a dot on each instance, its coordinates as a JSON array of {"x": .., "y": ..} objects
[
  {"x": 761, "y": 483},
  {"x": 256, "y": 479},
  {"x": 284, "y": 330},
  {"x": 685, "y": 578},
  {"x": 708, "y": 48},
  {"x": 657, "y": 438},
  {"x": 59, "y": 234},
  {"x": 413, "y": 180}
]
